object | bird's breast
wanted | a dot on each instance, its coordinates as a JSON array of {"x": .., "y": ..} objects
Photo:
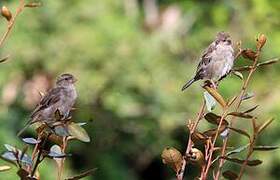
[{"x": 221, "y": 62}]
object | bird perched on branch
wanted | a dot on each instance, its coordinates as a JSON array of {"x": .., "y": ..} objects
[
  {"x": 216, "y": 61},
  {"x": 60, "y": 99}
]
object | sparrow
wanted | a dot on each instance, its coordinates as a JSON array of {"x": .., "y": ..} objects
[
  {"x": 216, "y": 61},
  {"x": 59, "y": 99}
]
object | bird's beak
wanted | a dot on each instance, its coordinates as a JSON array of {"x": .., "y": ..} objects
[{"x": 75, "y": 80}]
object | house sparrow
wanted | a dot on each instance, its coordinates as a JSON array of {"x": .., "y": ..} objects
[
  {"x": 216, "y": 62},
  {"x": 61, "y": 98}
]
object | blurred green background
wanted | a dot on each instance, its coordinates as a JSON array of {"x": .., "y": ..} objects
[{"x": 131, "y": 58}]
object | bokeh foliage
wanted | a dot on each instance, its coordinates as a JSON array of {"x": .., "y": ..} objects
[{"x": 130, "y": 74}]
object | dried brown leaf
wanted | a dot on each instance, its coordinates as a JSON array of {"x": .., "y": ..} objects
[
  {"x": 4, "y": 59},
  {"x": 197, "y": 157},
  {"x": 243, "y": 68},
  {"x": 249, "y": 54},
  {"x": 212, "y": 132},
  {"x": 215, "y": 119},
  {"x": 251, "y": 109},
  {"x": 230, "y": 175},
  {"x": 173, "y": 158},
  {"x": 198, "y": 137},
  {"x": 261, "y": 41}
]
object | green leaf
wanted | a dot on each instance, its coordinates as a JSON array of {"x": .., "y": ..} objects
[
  {"x": 61, "y": 131},
  {"x": 56, "y": 152},
  {"x": 235, "y": 151},
  {"x": 265, "y": 148},
  {"x": 4, "y": 168},
  {"x": 78, "y": 132},
  {"x": 31, "y": 141},
  {"x": 10, "y": 156},
  {"x": 241, "y": 161},
  {"x": 247, "y": 96},
  {"x": 230, "y": 175},
  {"x": 210, "y": 101},
  {"x": 82, "y": 123},
  {"x": 238, "y": 150},
  {"x": 240, "y": 131},
  {"x": 10, "y": 148},
  {"x": 268, "y": 62},
  {"x": 215, "y": 94},
  {"x": 238, "y": 74}
]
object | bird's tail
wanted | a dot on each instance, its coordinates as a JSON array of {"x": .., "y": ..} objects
[{"x": 188, "y": 84}]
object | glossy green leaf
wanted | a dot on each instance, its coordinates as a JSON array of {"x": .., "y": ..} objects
[
  {"x": 268, "y": 62},
  {"x": 56, "y": 152},
  {"x": 240, "y": 131},
  {"x": 30, "y": 141},
  {"x": 238, "y": 74},
  {"x": 78, "y": 132},
  {"x": 61, "y": 131},
  {"x": 265, "y": 148},
  {"x": 4, "y": 168},
  {"x": 241, "y": 161},
  {"x": 210, "y": 101}
]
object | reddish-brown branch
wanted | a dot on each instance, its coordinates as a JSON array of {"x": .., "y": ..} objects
[
  {"x": 209, "y": 159},
  {"x": 12, "y": 22},
  {"x": 241, "y": 95},
  {"x": 180, "y": 175}
]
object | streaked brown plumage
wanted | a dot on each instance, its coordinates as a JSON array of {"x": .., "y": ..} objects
[
  {"x": 216, "y": 62},
  {"x": 62, "y": 98}
]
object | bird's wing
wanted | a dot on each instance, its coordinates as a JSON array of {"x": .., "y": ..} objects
[
  {"x": 50, "y": 98},
  {"x": 204, "y": 61}
]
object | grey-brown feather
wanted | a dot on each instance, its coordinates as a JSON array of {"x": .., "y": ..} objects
[
  {"x": 216, "y": 61},
  {"x": 62, "y": 98}
]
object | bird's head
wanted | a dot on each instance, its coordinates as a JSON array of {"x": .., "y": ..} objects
[
  {"x": 65, "y": 79},
  {"x": 223, "y": 38}
]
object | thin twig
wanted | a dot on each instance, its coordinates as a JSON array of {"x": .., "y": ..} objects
[
  {"x": 209, "y": 160},
  {"x": 12, "y": 22},
  {"x": 250, "y": 152},
  {"x": 61, "y": 167},
  {"x": 180, "y": 175},
  {"x": 38, "y": 160}
]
